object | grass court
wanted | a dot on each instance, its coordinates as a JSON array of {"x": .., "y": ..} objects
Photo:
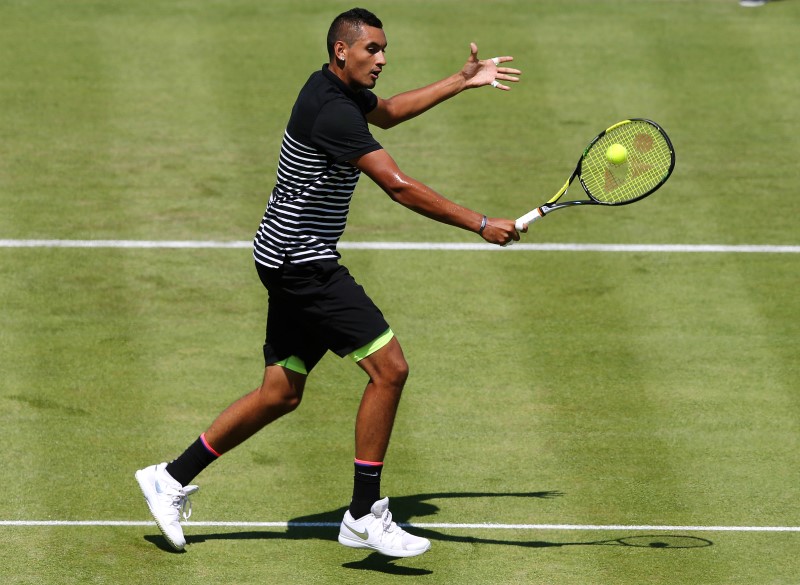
[{"x": 612, "y": 417}]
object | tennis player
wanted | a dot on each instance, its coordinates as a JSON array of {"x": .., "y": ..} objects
[{"x": 315, "y": 305}]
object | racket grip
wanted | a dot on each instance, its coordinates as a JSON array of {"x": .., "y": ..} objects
[{"x": 529, "y": 218}]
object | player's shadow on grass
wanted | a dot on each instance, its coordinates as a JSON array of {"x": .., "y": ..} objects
[{"x": 324, "y": 526}]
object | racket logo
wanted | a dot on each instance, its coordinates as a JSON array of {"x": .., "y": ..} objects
[
  {"x": 616, "y": 175},
  {"x": 643, "y": 143}
]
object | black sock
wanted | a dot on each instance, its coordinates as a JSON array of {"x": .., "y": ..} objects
[
  {"x": 195, "y": 459},
  {"x": 366, "y": 487}
]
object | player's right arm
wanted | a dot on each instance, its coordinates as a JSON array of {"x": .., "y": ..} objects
[{"x": 416, "y": 196}]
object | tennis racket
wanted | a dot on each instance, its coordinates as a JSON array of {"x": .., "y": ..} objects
[{"x": 649, "y": 163}]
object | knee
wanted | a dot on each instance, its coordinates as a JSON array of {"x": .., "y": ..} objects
[
  {"x": 396, "y": 374},
  {"x": 387, "y": 368},
  {"x": 402, "y": 372},
  {"x": 289, "y": 402},
  {"x": 280, "y": 400}
]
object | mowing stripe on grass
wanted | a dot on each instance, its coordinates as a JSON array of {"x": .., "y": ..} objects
[
  {"x": 436, "y": 525},
  {"x": 566, "y": 247}
]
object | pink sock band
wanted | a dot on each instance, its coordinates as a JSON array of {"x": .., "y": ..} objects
[
  {"x": 370, "y": 463},
  {"x": 209, "y": 447}
]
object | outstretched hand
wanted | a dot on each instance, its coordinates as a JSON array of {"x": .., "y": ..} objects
[{"x": 478, "y": 73}]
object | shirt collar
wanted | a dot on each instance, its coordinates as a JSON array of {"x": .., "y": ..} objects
[{"x": 331, "y": 76}]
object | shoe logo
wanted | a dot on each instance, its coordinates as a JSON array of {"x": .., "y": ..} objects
[
  {"x": 158, "y": 488},
  {"x": 362, "y": 535}
]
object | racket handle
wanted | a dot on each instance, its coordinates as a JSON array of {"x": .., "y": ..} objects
[{"x": 529, "y": 218}]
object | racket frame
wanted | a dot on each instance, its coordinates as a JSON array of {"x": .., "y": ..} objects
[{"x": 552, "y": 204}]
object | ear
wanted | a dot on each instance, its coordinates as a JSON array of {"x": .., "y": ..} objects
[{"x": 340, "y": 51}]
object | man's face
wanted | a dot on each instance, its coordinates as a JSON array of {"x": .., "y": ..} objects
[{"x": 364, "y": 59}]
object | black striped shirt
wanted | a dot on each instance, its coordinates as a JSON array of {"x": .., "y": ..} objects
[{"x": 307, "y": 210}]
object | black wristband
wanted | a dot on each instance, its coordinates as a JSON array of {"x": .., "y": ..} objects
[{"x": 483, "y": 225}]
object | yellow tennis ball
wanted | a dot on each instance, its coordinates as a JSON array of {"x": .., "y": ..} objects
[{"x": 617, "y": 154}]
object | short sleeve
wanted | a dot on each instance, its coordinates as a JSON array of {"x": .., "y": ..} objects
[
  {"x": 342, "y": 132},
  {"x": 367, "y": 101}
]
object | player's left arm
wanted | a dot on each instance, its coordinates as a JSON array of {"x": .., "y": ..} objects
[{"x": 475, "y": 73}]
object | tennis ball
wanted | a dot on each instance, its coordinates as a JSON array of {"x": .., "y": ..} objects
[{"x": 617, "y": 154}]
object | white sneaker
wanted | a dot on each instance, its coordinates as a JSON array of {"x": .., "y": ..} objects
[
  {"x": 376, "y": 531},
  {"x": 167, "y": 500}
]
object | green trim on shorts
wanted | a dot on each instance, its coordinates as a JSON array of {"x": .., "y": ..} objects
[
  {"x": 296, "y": 364},
  {"x": 372, "y": 346},
  {"x": 293, "y": 363}
]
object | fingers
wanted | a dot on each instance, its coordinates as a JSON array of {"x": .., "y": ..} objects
[
  {"x": 505, "y": 59},
  {"x": 504, "y": 73},
  {"x": 509, "y": 239},
  {"x": 497, "y": 85},
  {"x": 473, "y": 48},
  {"x": 506, "y": 70},
  {"x": 503, "y": 77},
  {"x": 489, "y": 72},
  {"x": 501, "y": 232}
]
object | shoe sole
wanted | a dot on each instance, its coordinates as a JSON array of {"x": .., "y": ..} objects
[
  {"x": 143, "y": 483},
  {"x": 389, "y": 552}
]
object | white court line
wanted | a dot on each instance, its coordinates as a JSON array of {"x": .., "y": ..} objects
[
  {"x": 565, "y": 247},
  {"x": 444, "y": 526}
]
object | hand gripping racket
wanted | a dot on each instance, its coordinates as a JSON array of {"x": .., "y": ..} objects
[{"x": 648, "y": 164}]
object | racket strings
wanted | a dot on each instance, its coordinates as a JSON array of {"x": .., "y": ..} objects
[{"x": 647, "y": 165}]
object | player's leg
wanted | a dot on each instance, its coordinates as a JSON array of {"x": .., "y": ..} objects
[
  {"x": 281, "y": 389},
  {"x": 368, "y": 521},
  {"x": 279, "y": 394},
  {"x": 166, "y": 486},
  {"x": 387, "y": 370}
]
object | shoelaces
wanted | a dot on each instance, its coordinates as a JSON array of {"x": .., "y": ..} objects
[
  {"x": 388, "y": 525},
  {"x": 182, "y": 502}
]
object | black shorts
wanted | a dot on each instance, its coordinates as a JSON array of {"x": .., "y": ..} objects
[{"x": 315, "y": 307}]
